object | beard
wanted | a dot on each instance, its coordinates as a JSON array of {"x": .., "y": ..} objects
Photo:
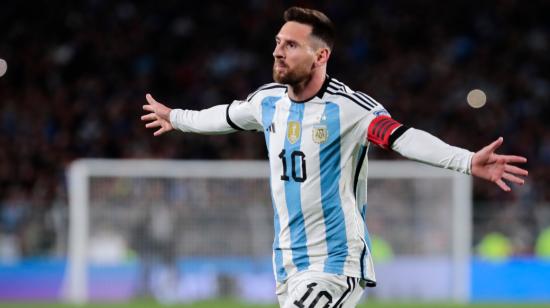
[{"x": 291, "y": 76}]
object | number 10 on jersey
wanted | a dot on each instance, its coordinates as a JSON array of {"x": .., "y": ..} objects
[{"x": 296, "y": 158}]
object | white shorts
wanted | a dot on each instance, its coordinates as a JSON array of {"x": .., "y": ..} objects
[{"x": 312, "y": 289}]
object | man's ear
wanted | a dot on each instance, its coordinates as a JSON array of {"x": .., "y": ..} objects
[{"x": 322, "y": 55}]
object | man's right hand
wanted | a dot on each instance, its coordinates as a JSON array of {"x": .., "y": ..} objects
[{"x": 159, "y": 116}]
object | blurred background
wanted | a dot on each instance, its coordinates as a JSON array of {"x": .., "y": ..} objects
[{"x": 78, "y": 72}]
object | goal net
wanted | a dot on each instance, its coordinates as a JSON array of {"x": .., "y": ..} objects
[{"x": 187, "y": 230}]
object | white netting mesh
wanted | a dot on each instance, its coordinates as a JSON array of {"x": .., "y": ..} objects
[{"x": 221, "y": 214}]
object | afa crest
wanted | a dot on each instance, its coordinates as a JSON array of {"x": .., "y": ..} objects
[
  {"x": 320, "y": 134},
  {"x": 293, "y": 131}
]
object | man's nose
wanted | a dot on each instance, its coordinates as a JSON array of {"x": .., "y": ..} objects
[{"x": 277, "y": 52}]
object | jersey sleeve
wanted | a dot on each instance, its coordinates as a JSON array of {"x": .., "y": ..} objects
[
  {"x": 209, "y": 121},
  {"x": 415, "y": 144},
  {"x": 421, "y": 146},
  {"x": 247, "y": 114},
  {"x": 222, "y": 119},
  {"x": 377, "y": 126},
  {"x": 243, "y": 115},
  {"x": 381, "y": 128}
]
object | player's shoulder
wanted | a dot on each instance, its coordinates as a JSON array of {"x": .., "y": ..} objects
[
  {"x": 267, "y": 89},
  {"x": 350, "y": 98}
]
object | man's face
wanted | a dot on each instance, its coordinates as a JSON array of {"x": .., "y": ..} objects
[{"x": 294, "y": 54}]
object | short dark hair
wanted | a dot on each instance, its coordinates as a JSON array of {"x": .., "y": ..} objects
[{"x": 321, "y": 26}]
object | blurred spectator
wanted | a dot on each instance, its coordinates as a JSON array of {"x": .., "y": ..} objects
[
  {"x": 381, "y": 250},
  {"x": 495, "y": 247},
  {"x": 542, "y": 248}
]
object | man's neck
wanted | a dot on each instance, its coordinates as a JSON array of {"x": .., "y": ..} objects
[{"x": 308, "y": 88}]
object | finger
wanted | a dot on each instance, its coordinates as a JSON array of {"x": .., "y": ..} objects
[
  {"x": 148, "y": 108},
  {"x": 502, "y": 185},
  {"x": 512, "y": 178},
  {"x": 159, "y": 132},
  {"x": 493, "y": 146},
  {"x": 514, "y": 159},
  {"x": 149, "y": 117},
  {"x": 150, "y": 99},
  {"x": 515, "y": 170},
  {"x": 153, "y": 124}
]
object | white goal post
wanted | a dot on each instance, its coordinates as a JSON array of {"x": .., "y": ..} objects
[{"x": 80, "y": 173}]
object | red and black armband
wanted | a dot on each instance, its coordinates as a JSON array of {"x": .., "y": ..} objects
[{"x": 380, "y": 131}]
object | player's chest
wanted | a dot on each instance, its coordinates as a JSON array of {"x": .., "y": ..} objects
[{"x": 305, "y": 124}]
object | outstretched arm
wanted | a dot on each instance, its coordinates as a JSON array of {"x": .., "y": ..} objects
[
  {"x": 424, "y": 147},
  {"x": 210, "y": 121},
  {"x": 486, "y": 164}
]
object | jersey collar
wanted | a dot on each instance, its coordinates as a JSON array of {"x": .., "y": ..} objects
[{"x": 319, "y": 93}]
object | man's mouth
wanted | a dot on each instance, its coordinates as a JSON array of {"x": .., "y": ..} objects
[{"x": 280, "y": 65}]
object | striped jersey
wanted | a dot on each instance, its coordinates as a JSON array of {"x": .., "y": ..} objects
[{"x": 317, "y": 155}]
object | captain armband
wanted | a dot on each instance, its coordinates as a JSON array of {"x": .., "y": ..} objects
[{"x": 384, "y": 130}]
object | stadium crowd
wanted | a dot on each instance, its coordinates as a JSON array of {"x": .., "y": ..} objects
[{"x": 79, "y": 70}]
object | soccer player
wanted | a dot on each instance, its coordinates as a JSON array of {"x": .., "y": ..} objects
[{"x": 317, "y": 131}]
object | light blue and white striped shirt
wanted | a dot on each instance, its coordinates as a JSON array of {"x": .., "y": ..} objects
[{"x": 317, "y": 155}]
